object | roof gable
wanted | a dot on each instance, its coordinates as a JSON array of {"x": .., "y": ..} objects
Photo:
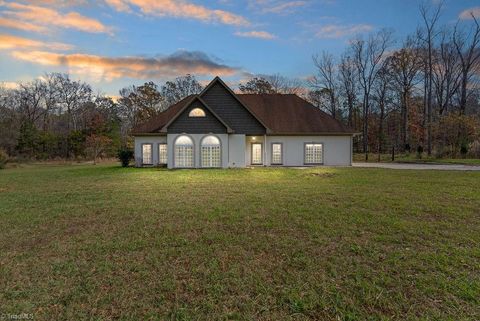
[
  {"x": 232, "y": 110},
  {"x": 181, "y": 122}
]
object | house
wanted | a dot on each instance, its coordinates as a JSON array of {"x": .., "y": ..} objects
[{"x": 218, "y": 128}]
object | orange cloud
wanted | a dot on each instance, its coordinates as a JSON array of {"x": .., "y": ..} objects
[
  {"x": 467, "y": 14},
  {"x": 42, "y": 17},
  {"x": 256, "y": 34},
  {"x": 179, "y": 9},
  {"x": 338, "y": 31},
  {"x": 110, "y": 68},
  {"x": 13, "y": 42},
  {"x": 15, "y": 24}
]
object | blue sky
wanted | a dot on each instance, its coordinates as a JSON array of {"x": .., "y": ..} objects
[{"x": 114, "y": 43}]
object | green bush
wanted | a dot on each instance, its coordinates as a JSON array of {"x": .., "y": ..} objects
[
  {"x": 3, "y": 158},
  {"x": 125, "y": 156}
]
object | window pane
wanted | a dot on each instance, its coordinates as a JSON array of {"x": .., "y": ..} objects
[
  {"x": 276, "y": 153},
  {"x": 184, "y": 152},
  {"x": 313, "y": 153},
  {"x": 147, "y": 154},
  {"x": 196, "y": 112},
  {"x": 162, "y": 153},
  {"x": 210, "y": 152},
  {"x": 257, "y": 153}
]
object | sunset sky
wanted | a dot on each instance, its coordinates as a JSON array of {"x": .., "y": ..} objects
[{"x": 114, "y": 43}]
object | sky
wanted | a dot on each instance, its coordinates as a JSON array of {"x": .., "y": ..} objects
[{"x": 115, "y": 43}]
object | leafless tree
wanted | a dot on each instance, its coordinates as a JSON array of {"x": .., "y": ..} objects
[
  {"x": 368, "y": 56},
  {"x": 468, "y": 48},
  {"x": 285, "y": 85},
  {"x": 326, "y": 79},
  {"x": 430, "y": 18},
  {"x": 446, "y": 73},
  {"x": 348, "y": 80},
  {"x": 404, "y": 65},
  {"x": 382, "y": 98}
]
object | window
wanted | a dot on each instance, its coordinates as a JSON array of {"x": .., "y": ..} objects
[
  {"x": 313, "y": 153},
  {"x": 162, "y": 154},
  {"x": 256, "y": 154},
  {"x": 211, "y": 155},
  {"x": 277, "y": 153},
  {"x": 197, "y": 112},
  {"x": 147, "y": 154},
  {"x": 184, "y": 152}
]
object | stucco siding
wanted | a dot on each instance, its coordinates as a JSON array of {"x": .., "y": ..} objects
[
  {"x": 337, "y": 150},
  {"x": 236, "y": 150},
  {"x": 154, "y": 140}
]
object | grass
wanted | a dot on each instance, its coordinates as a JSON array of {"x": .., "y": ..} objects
[
  {"x": 412, "y": 158},
  {"x": 102, "y": 242}
]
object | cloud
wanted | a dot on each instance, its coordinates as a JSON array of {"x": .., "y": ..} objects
[
  {"x": 256, "y": 34},
  {"x": 467, "y": 14},
  {"x": 43, "y": 17},
  {"x": 334, "y": 31},
  {"x": 276, "y": 6},
  {"x": 20, "y": 25},
  {"x": 109, "y": 68},
  {"x": 9, "y": 85},
  {"x": 286, "y": 7},
  {"x": 13, "y": 42},
  {"x": 179, "y": 9}
]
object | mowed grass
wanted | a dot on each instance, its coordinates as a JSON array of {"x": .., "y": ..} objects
[{"x": 108, "y": 243}]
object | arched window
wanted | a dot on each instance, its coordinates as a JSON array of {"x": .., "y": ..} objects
[
  {"x": 184, "y": 152},
  {"x": 211, "y": 151},
  {"x": 197, "y": 112}
]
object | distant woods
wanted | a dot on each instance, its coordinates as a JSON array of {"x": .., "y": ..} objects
[
  {"x": 418, "y": 94},
  {"x": 58, "y": 117}
]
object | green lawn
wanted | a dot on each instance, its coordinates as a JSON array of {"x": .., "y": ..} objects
[{"x": 103, "y": 242}]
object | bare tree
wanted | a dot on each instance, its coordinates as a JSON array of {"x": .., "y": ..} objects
[
  {"x": 284, "y": 85},
  {"x": 404, "y": 65},
  {"x": 181, "y": 87},
  {"x": 430, "y": 20},
  {"x": 468, "y": 48},
  {"x": 348, "y": 78},
  {"x": 368, "y": 56},
  {"x": 446, "y": 73},
  {"x": 325, "y": 80},
  {"x": 383, "y": 101}
]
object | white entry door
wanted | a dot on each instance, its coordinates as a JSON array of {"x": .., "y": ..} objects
[{"x": 257, "y": 154}]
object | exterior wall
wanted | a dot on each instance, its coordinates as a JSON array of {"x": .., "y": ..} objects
[
  {"x": 154, "y": 140},
  {"x": 231, "y": 111},
  {"x": 196, "y": 125},
  {"x": 337, "y": 150},
  {"x": 236, "y": 150},
  {"x": 197, "y": 138}
]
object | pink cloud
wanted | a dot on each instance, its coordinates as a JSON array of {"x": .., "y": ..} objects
[
  {"x": 467, "y": 14},
  {"x": 256, "y": 34}
]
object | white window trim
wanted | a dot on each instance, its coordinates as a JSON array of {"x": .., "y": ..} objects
[
  {"x": 151, "y": 154},
  {"x": 209, "y": 145},
  {"x": 166, "y": 154},
  {"x": 305, "y": 153},
  {"x": 251, "y": 153},
  {"x": 202, "y": 114},
  {"x": 175, "y": 151},
  {"x": 281, "y": 153}
]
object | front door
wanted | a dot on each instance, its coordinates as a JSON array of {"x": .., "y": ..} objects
[{"x": 257, "y": 154}]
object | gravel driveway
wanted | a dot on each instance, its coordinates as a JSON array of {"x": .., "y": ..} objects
[{"x": 442, "y": 167}]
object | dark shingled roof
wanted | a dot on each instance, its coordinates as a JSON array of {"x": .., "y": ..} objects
[
  {"x": 156, "y": 123},
  {"x": 281, "y": 113},
  {"x": 290, "y": 114}
]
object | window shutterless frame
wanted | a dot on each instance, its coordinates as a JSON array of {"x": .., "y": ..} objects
[
  {"x": 182, "y": 149},
  {"x": 273, "y": 161},
  {"x": 151, "y": 154},
  {"x": 162, "y": 154},
  {"x": 251, "y": 154},
  {"x": 305, "y": 153},
  {"x": 213, "y": 151}
]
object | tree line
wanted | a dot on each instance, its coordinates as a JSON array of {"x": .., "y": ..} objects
[{"x": 421, "y": 93}]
